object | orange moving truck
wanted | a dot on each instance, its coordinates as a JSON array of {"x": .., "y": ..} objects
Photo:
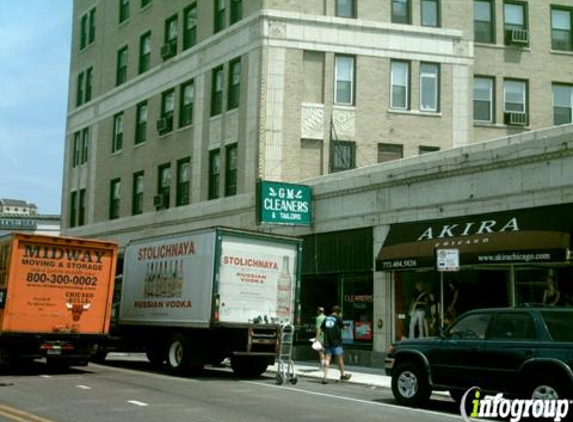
[{"x": 55, "y": 297}]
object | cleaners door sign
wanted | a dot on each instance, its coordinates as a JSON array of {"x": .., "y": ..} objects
[{"x": 284, "y": 203}]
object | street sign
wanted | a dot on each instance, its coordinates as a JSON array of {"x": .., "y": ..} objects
[
  {"x": 284, "y": 203},
  {"x": 448, "y": 259}
]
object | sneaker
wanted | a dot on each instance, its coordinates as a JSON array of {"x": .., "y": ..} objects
[
  {"x": 345, "y": 377},
  {"x": 324, "y": 381}
]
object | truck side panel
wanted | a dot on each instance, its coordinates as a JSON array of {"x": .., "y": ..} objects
[
  {"x": 168, "y": 281},
  {"x": 58, "y": 285},
  {"x": 257, "y": 279}
]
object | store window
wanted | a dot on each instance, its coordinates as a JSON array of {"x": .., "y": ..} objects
[{"x": 543, "y": 286}]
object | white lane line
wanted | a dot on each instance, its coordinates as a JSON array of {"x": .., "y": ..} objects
[
  {"x": 334, "y": 396},
  {"x": 83, "y": 387},
  {"x": 138, "y": 403},
  {"x": 45, "y": 376}
]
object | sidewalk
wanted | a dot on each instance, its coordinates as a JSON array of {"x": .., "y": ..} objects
[{"x": 360, "y": 375}]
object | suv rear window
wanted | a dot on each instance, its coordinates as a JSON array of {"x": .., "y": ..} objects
[{"x": 559, "y": 324}]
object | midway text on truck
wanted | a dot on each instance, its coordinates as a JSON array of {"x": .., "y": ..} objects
[
  {"x": 55, "y": 297},
  {"x": 200, "y": 297}
]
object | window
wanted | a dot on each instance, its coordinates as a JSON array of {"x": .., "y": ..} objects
[
  {"x": 187, "y": 100},
  {"x": 117, "y": 141},
  {"x": 165, "y": 124},
  {"x": 73, "y": 208},
  {"x": 76, "y": 149},
  {"x": 345, "y": 8},
  {"x": 515, "y": 23},
  {"x": 471, "y": 327},
  {"x": 141, "y": 123},
  {"x": 190, "y": 26},
  {"x": 513, "y": 326},
  {"x": 342, "y": 156},
  {"x": 514, "y": 96},
  {"x": 87, "y": 29},
  {"x": 121, "y": 72},
  {"x": 145, "y": 3},
  {"x": 214, "y": 173},
  {"x": 483, "y": 99},
  {"x": 164, "y": 185},
  {"x": 123, "y": 10},
  {"x": 169, "y": 49},
  {"x": 82, "y": 211},
  {"x": 84, "y": 87},
  {"x": 399, "y": 80},
  {"x": 401, "y": 11},
  {"x": 236, "y": 11},
  {"x": 234, "y": 84},
  {"x": 114, "y": 198},
  {"x": 183, "y": 181},
  {"x": 219, "y": 23},
  {"x": 144, "y": 52},
  {"x": 217, "y": 91},
  {"x": 483, "y": 21},
  {"x": 88, "y": 89},
  {"x": 344, "y": 80},
  {"x": 430, "y": 13},
  {"x": 561, "y": 35},
  {"x": 85, "y": 146},
  {"x": 137, "y": 194},
  {"x": 425, "y": 149},
  {"x": 429, "y": 87},
  {"x": 231, "y": 170},
  {"x": 390, "y": 152},
  {"x": 562, "y": 104}
]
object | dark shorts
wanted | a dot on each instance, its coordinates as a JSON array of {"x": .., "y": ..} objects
[{"x": 334, "y": 351}]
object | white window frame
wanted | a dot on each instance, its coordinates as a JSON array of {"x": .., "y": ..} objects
[
  {"x": 523, "y": 103},
  {"x": 570, "y": 105},
  {"x": 434, "y": 77},
  {"x": 490, "y": 97},
  {"x": 393, "y": 67},
  {"x": 339, "y": 59}
]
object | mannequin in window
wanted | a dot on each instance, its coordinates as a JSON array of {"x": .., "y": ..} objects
[
  {"x": 418, "y": 312},
  {"x": 552, "y": 294},
  {"x": 451, "y": 301}
]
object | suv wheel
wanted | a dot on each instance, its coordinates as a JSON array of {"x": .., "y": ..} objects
[
  {"x": 410, "y": 385},
  {"x": 545, "y": 389}
]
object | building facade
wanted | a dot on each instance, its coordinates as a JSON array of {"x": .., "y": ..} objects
[
  {"x": 177, "y": 108},
  {"x": 22, "y": 216}
]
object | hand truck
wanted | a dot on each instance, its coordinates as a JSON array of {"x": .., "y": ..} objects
[{"x": 285, "y": 365}]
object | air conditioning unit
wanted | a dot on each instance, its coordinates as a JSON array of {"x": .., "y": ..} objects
[
  {"x": 159, "y": 201},
  {"x": 517, "y": 37},
  {"x": 168, "y": 50},
  {"x": 515, "y": 118},
  {"x": 165, "y": 124}
]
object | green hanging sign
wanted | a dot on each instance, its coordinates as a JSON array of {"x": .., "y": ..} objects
[{"x": 284, "y": 203}]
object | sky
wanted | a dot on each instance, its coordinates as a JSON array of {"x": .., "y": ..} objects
[{"x": 35, "y": 44}]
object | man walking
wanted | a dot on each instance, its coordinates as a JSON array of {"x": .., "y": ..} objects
[
  {"x": 332, "y": 327},
  {"x": 319, "y": 335}
]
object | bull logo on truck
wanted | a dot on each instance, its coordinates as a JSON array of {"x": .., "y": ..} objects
[{"x": 77, "y": 309}]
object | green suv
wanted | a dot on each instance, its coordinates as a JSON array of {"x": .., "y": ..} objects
[{"x": 520, "y": 352}]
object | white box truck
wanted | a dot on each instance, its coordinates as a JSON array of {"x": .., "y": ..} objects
[{"x": 197, "y": 298}]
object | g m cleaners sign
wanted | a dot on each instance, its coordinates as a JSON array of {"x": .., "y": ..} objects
[{"x": 284, "y": 203}]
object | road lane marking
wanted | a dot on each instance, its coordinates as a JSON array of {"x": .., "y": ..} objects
[
  {"x": 351, "y": 399},
  {"x": 138, "y": 403},
  {"x": 20, "y": 415},
  {"x": 83, "y": 387}
]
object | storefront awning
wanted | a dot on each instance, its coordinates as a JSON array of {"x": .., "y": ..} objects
[{"x": 540, "y": 234}]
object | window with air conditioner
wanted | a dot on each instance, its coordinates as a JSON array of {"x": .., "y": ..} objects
[
  {"x": 515, "y": 24},
  {"x": 515, "y": 102}
]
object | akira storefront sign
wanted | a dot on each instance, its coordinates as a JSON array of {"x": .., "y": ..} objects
[
  {"x": 284, "y": 203},
  {"x": 539, "y": 234}
]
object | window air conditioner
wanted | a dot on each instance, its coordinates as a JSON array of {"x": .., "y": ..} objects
[
  {"x": 517, "y": 37},
  {"x": 164, "y": 125},
  {"x": 515, "y": 118},
  {"x": 159, "y": 201},
  {"x": 168, "y": 50}
]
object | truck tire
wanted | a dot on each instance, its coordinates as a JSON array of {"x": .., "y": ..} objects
[
  {"x": 248, "y": 367},
  {"x": 410, "y": 385},
  {"x": 177, "y": 353}
]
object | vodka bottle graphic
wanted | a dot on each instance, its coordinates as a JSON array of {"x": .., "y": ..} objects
[
  {"x": 284, "y": 289},
  {"x": 179, "y": 280},
  {"x": 147, "y": 281}
]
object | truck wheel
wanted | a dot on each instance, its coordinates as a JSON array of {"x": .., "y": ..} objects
[
  {"x": 178, "y": 350},
  {"x": 248, "y": 367},
  {"x": 410, "y": 385}
]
